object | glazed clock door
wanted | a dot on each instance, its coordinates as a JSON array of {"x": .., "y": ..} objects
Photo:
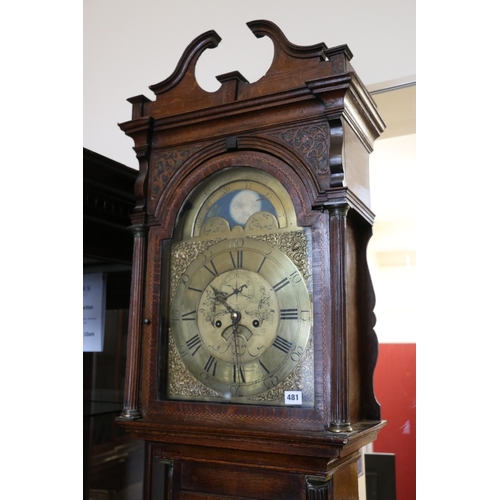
[{"x": 239, "y": 304}]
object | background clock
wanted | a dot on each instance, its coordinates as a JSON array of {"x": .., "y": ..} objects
[{"x": 240, "y": 308}]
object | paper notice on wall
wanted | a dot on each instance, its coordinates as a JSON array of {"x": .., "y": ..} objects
[{"x": 94, "y": 311}]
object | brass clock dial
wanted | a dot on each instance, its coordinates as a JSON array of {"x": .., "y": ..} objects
[
  {"x": 240, "y": 313},
  {"x": 241, "y": 317}
]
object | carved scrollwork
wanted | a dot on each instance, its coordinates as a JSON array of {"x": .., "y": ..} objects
[
  {"x": 336, "y": 160},
  {"x": 163, "y": 166},
  {"x": 311, "y": 143}
]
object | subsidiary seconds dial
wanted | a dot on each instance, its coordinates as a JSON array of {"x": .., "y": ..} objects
[{"x": 241, "y": 317}]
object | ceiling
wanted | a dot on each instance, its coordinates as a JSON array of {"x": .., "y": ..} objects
[{"x": 398, "y": 110}]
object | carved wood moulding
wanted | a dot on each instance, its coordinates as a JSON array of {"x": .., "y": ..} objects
[{"x": 311, "y": 93}]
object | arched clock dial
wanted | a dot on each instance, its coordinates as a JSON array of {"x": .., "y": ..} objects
[
  {"x": 239, "y": 301},
  {"x": 241, "y": 317}
]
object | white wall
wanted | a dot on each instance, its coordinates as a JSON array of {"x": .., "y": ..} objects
[
  {"x": 131, "y": 44},
  {"x": 392, "y": 249}
]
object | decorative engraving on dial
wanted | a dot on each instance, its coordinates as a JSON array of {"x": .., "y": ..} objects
[
  {"x": 245, "y": 293},
  {"x": 182, "y": 255},
  {"x": 300, "y": 379},
  {"x": 240, "y": 317},
  {"x": 294, "y": 245},
  {"x": 215, "y": 225},
  {"x": 184, "y": 384},
  {"x": 261, "y": 221}
]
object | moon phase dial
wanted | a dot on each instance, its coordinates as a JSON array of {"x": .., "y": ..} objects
[{"x": 241, "y": 317}]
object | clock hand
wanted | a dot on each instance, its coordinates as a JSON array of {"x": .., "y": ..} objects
[
  {"x": 237, "y": 290},
  {"x": 221, "y": 297},
  {"x": 235, "y": 318}
]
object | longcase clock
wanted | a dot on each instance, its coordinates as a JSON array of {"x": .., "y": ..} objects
[{"x": 251, "y": 347}]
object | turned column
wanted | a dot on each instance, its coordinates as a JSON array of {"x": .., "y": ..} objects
[
  {"x": 340, "y": 369},
  {"x": 317, "y": 488},
  {"x": 131, "y": 410}
]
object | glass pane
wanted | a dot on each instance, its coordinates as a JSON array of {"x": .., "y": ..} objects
[{"x": 113, "y": 462}]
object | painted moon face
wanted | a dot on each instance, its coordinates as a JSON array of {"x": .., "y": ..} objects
[{"x": 243, "y": 205}]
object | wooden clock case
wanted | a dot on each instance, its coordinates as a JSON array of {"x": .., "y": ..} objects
[{"x": 311, "y": 124}]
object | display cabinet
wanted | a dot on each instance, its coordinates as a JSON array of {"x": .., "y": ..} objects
[{"x": 112, "y": 460}]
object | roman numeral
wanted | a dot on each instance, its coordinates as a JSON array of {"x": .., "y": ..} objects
[
  {"x": 261, "y": 264},
  {"x": 284, "y": 282},
  {"x": 282, "y": 344},
  {"x": 263, "y": 366},
  {"x": 289, "y": 314},
  {"x": 238, "y": 262},
  {"x": 239, "y": 371},
  {"x": 189, "y": 316},
  {"x": 194, "y": 343},
  {"x": 211, "y": 364},
  {"x": 212, "y": 271}
]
